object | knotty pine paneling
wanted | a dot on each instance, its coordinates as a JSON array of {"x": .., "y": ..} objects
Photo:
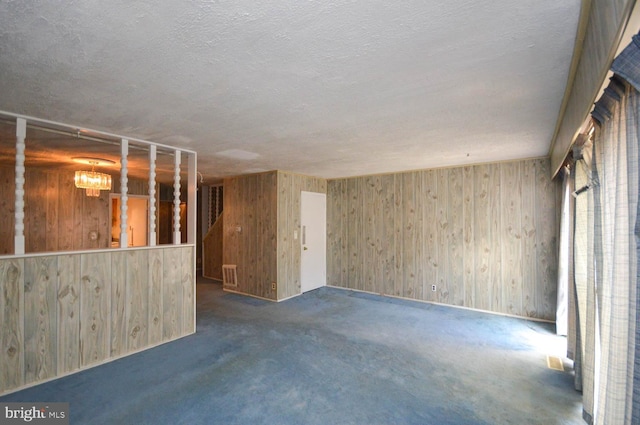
[
  {"x": 354, "y": 224},
  {"x": 337, "y": 259},
  {"x": 212, "y": 250},
  {"x": 188, "y": 291},
  {"x": 468, "y": 233},
  {"x": 52, "y": 226},
  {"x": 171, "y": 295},
  {"x": 386, "y": 228},
  {"x": 95, "y": 218},
  {"x": 481, "y": 239},
  {"x": 95, "y": 308},
  {"x": 511, "y": 200},
  {"x": 35, "y": 207},
  {"x": 605, "y": 21},
  {"x": 250, "y": 204},
  {"x": 286, "y": 247},
  {"x": 485, "y": 235},
  {"x": 441, "y": 235},
  {"x": 77, "y": 209},
  {"x": 58, "y": 216},
  {"x": 40, "y": 332},
  {"x": 11, "y": 324},
  {"x": 137, "y": 299},
  {"x": 430, "y": 260},
  {"x": 371, "y": 187},
  {"x": 547, "y": 203},
  {"x": 289, "y": 188},
  {"x": 154, "y": 294},
  {"x": 118, "y": 315},
  {"x": 455, "y": 230},
  {"x": 495, "y": 214},
  {"x": 266, "y": 206},
  {"x": 411, "y": 250},
  {"x": 528, "y": 234},
  {"x": 254, "y": 230},
  {"x": 63, "y": 313},
  {"x": 69, "y": 221},
  {"x": 7, "y": 209},
  {"x": 68, "y": 298}
]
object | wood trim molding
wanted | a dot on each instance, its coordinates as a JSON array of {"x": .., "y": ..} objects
[{"x": 600, "y": 33}]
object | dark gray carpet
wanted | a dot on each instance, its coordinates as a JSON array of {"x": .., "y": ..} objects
[{"x": 328, "y": 357}]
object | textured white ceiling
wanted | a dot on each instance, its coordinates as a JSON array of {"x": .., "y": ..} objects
[{"x": 327, "y": 88}]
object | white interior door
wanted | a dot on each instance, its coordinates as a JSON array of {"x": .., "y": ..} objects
[{"x": 313, "y": 241}]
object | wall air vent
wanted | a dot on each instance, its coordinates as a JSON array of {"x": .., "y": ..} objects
[{"x": 229, "y": 275}]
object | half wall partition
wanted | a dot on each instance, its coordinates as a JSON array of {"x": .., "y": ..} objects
[{"x": 74, "y": 292}]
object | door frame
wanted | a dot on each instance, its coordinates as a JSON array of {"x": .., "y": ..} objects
[
  {"x": 323, "y": 256},
  {"x": 117, "y": 196}
]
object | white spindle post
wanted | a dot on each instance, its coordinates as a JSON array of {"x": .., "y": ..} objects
[
  {"x": 124, "y": 189},
  {"x": 21, "y": 134},
  {"x": 152, "y": 195},
  {"x": 192, "y": 201},
  {"x": 176, "y": 199}
]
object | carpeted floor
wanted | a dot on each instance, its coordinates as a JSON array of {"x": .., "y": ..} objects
[{"x": 329, "y": 357}]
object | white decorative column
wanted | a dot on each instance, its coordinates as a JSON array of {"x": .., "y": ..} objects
[
  {"x": 21, "y": 134},
  {"x": 192, "y": 200},
  {"x": 124, "y": 189},
  {"x": 152, "y": 195},
  {"x": 176, "y": 199}
]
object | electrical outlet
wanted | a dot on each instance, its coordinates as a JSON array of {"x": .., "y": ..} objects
[
  {"x": 273, "y": 286},
  {"x": 433, "y": 287}
]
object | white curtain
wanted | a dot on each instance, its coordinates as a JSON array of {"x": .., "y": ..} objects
[
  {"x": 582, "y": 247},
  {"x": 610, "y": 365},
  {"x": 564, "y": 258}
]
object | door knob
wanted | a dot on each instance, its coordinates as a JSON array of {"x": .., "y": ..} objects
[{"x": 305, "y": 248}]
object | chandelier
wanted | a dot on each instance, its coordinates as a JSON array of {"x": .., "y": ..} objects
[{"x": 92, "y": 181}]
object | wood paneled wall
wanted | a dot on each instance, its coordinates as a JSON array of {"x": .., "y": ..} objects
[
  {"x": 485, "y": 235},
  {"x": 212, "y": 250},
  {"x": 250, "y": 203},
  {"x": 267, "y": 208},
  {"x": 290, "y": 187},
  {"x": 606, "y": 20},
  {"x": 63, "y": 313},
  {"x": 58, "y": 216},
  {"x": 7, "y": 209}
]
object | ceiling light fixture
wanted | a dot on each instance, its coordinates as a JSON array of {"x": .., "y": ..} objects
[{"x": 92, "y": 181}]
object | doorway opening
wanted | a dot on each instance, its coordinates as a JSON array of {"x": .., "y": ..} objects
[{"x": 137, "y": 220}]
